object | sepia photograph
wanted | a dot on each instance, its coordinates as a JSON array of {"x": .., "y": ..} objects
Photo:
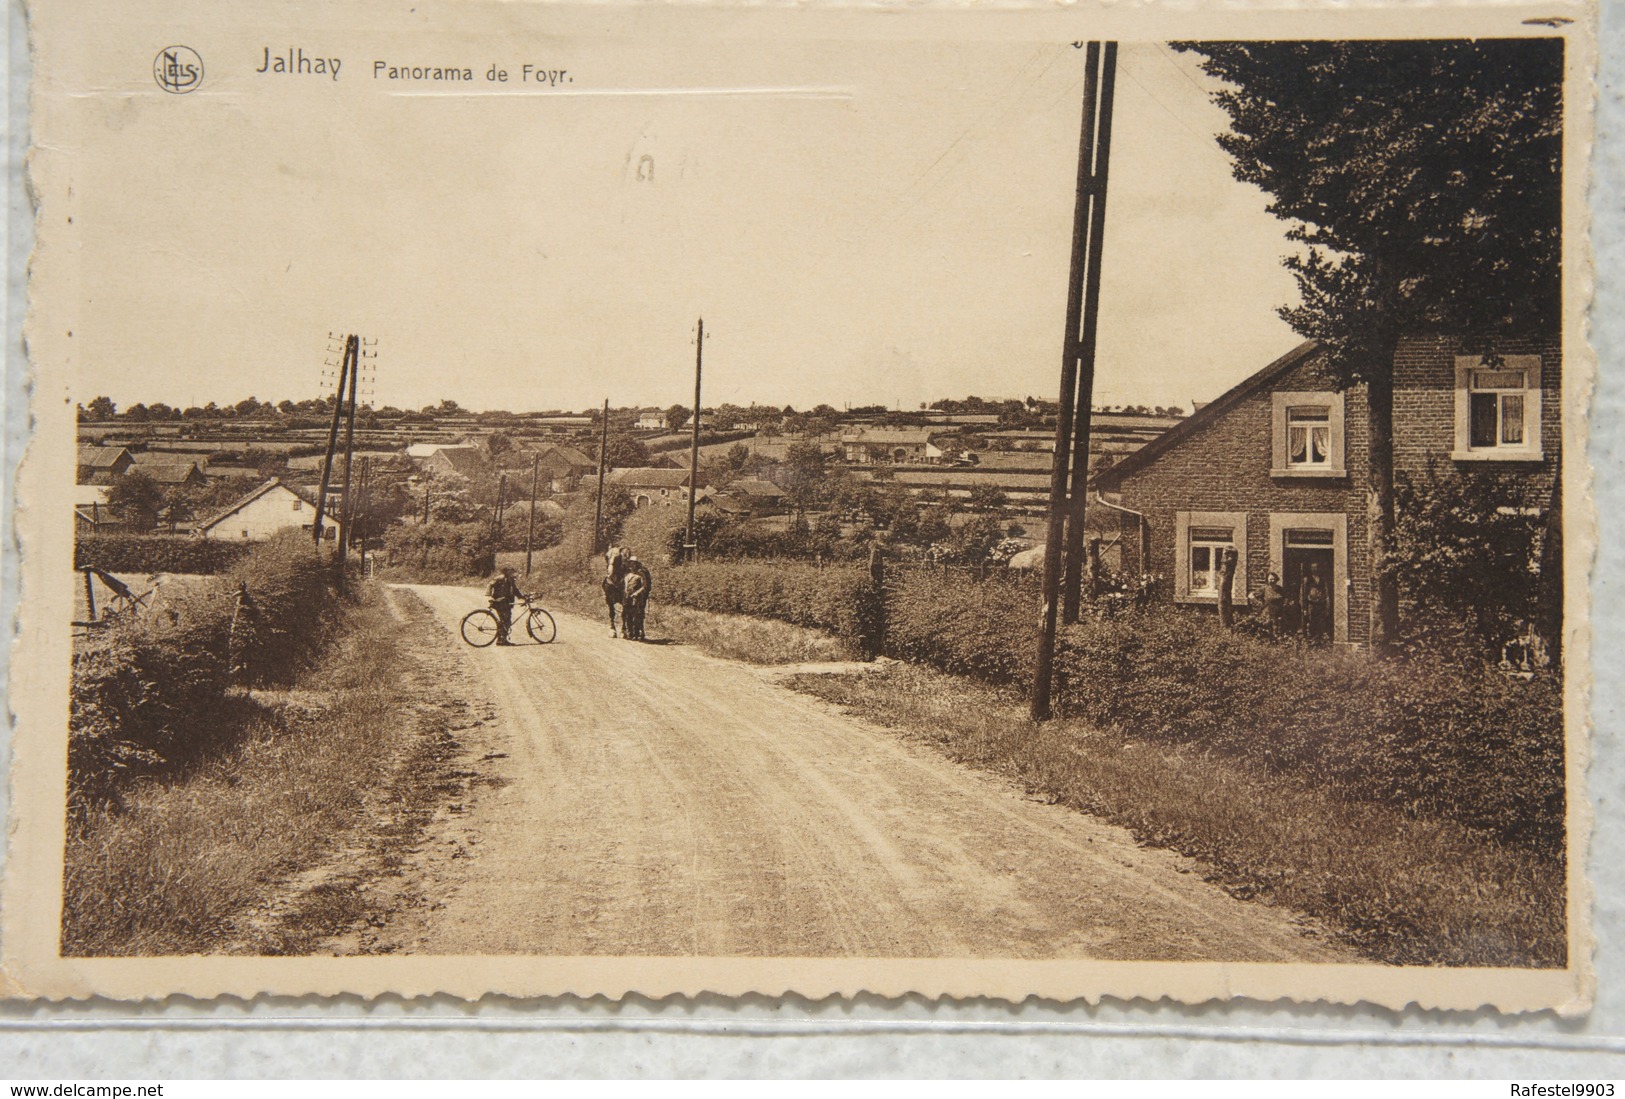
[{"x": 979, "y": 505}]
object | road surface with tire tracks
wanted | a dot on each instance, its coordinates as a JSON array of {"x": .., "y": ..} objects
[{"x": 647, "y": 799}]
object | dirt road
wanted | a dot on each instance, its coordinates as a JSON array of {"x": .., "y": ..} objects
[{"x": 646, "y": 799}]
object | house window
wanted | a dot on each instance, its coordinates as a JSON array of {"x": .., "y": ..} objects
[
  {"x": 298, "y": 505},
  {"x": 1207, "y": 546},
  {"x": 1201, "y": 538},
  {"x": 1497, "y": 408},
  {"x": 1307, "y": 435}
]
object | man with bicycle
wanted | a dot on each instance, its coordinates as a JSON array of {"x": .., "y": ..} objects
[{"x": 503, "y": 591}]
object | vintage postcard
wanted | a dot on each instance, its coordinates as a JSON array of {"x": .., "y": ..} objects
[{"x": 537, "y": 499}]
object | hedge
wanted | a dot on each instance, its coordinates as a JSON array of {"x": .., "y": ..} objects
[
  {"x": 1427, "y": 736},
  {"x": 839, "y": 599},
  {"x": 158, "y": 553},
  {"x": 148, "y": 694}
]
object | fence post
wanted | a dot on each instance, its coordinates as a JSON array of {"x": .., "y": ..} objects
[
  {"x": 1227, "y": 585},
  {"x": 877, "y": 581}
]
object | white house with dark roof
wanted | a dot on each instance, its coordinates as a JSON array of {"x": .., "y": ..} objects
[{"x": 268, "y": 509}]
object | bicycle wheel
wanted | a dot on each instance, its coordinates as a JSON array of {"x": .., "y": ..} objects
[
  {"x": 480, "y": 627},
  {"x": 541, "y": 626}
]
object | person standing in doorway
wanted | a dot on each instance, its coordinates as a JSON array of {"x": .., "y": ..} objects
[{"x": 1315, "y": 605}]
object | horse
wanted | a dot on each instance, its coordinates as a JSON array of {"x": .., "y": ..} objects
[{"x": 615, "y": 585}]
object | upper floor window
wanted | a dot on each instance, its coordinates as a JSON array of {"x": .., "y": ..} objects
[
  {"x": 1307, "y": 435},
  {"x": 1497, "y": 408}
]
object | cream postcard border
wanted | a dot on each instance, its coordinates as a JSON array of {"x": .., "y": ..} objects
[{"x": 30, "y": 904}]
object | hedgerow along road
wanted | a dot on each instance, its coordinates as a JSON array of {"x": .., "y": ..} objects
[{"x": 647, "y": 799}]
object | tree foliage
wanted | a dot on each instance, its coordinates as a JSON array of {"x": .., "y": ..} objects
[{"x": 1423, "y": 178}]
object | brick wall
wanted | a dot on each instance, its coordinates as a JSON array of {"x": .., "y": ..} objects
[
  {"x": 1425, "y": 415},
  {"x": 1225, "y": 466}
]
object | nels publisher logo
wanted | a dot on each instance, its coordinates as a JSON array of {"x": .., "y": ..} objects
[{"x": 177, "y": 69}]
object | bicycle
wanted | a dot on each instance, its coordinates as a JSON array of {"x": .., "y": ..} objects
[{"x": 480, "y": 626}]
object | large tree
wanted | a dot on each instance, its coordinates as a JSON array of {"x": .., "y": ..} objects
[{"x": 1423, "y": 180}]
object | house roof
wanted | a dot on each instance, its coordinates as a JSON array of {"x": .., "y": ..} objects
[
  {"x": 167, "y": 470},
  {"x": 649, "y": 477},
  {"x": 570, "y": 455},
  {"x": 102, "y": 457},
  {"x": 723, "y": 501},
  {"x": 463, "y": 459},
  {"x": 888, "y": 436},
  {"x": 1205, "y": 414},
  {"x": 747, "y": 486}
]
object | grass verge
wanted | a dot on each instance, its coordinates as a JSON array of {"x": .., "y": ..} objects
[
  {"x": 202, "y": 860},
  {"x": 1402, "y": 890}
]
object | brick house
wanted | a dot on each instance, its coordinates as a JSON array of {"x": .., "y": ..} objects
[
  {"x": 1276, "y": 468},
  {"x": 652, "y": 485},
  {"x": 562, "y": 467}
]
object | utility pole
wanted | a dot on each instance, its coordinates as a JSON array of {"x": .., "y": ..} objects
[
  {"x": 333, "y": 438},
  {"x": 691, "y": 552},
  {"x": 363, "y": 501},
  {"x": 345, "y": 510},
  {"x": 1086, "y": 339},
  {"x": 496, "y": 516},
  {"x": 1089, "y": 187},
  {"x": 530, "y": 528},
  {"x": 598, "y": 511}
]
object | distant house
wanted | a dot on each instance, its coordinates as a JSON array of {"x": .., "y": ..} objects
[
  {"x": 270, "y": 508},
  {"x": 651, "y": 419},
  {"x": 464, "y": 461},
  {"x": 1276, "y": 468},
  {"x": 747, "y": 497},
  {"x": 879, "y": 445},
  {"x": 171, "y": 472},
  {"x": 99, "y": 464},
  {"x": 562, "y": 468},
  {"x": 648, "y": 485}
]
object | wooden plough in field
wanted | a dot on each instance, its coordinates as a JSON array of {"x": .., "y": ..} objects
[{"x": 122, "y": 601}]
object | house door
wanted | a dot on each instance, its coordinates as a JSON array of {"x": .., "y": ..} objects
[{"x": 1308, "y": 564}]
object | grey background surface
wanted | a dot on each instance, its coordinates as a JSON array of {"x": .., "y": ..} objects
[{"x": 870, "y": 1037}]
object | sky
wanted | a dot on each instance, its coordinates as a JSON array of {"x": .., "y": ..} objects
[{"x": 877, "y": 221}]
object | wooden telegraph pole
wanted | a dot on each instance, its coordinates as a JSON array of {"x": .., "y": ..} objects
[
  {"x": 496, "y": 515},
  {"x": 345, "y": 509},
  {"x": 598, "y": 511},
  {"x": 333, "y": 436},
  {"x": 530, "y": 528},
  {"x": 1086, "y": 338},
  {"x": 691, "y": 552},
  {"x": 1091, "y": 190}
]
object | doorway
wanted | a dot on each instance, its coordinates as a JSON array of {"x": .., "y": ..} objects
[{"x": 1308, "y": 569}]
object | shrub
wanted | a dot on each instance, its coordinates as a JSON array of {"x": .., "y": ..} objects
[
  {"x": 1426, "y": 734},
  {"x": 147, "y": 695},
  {"x": 441, "y": 549},
  {"x": 838, "y": 599},
  {"x": 982, "y": 629},
  {"x": 1429, "y": 736},
  {"x": 158, "y": 553}
]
